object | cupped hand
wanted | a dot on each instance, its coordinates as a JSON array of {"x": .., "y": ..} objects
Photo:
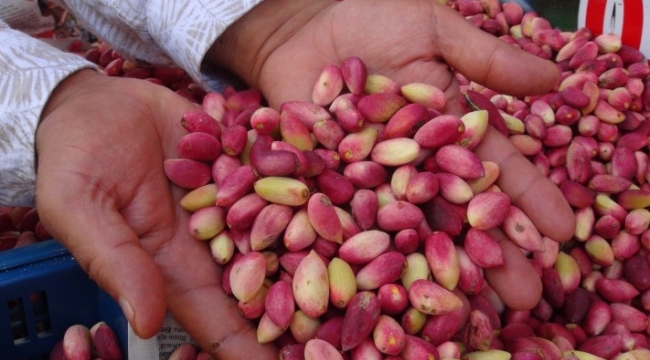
[
  {"x": 289, "y": 42},
  {"x": 101, "y": 190}
]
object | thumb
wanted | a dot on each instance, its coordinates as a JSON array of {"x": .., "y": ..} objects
[
  {"x": 109, "y": 251},
  {"x": 490, "y": 61}
]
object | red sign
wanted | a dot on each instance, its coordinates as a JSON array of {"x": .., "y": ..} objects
[{"x": 621, "y": 17}]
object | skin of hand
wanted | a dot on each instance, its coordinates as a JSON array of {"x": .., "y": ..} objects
[
  {"x": 282, "y": 52},
  {"x": 106, "y": 139},
  {"x": 101, "y": 190}
]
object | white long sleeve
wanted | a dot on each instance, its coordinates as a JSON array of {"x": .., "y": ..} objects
[
  {"x": 31, "y": 70},
  {"x": 161, "y": 32},
  {"x": 166, "y": 32}
]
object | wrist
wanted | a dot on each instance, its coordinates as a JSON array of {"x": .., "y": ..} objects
[{"x": 246, "y": 44}]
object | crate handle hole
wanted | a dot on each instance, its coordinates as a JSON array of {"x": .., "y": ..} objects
[
  {"x": 18, "y": 321},
  {"x": 41, "y": 314}
]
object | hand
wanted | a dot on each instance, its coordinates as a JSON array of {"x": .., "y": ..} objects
[
  {"x": 281, "y": 46},
  {"x": 102, "y": 192}
]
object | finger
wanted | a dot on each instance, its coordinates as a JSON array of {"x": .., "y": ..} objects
[
  {"x": 528, "y": 188},
  {"x": 488, "y": 60},
  {"x": 105, "y": 247},
  {"x": 516, "y": 281},
  {"x": 198, "y": 302},
  {"x": 295, "y": 85}
]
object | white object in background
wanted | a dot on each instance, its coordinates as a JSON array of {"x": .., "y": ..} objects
[{"x": 159, "y": 347}]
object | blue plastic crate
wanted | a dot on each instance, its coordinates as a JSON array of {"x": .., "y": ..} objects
[{"x": 43, "y": 291}]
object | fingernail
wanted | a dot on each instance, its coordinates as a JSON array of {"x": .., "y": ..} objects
[{"x": 127, "y": 309}]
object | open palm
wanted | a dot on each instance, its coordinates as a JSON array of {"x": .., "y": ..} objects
[
  {"x": 102, "y": 191},
  {"x": 408, "y": 41}
]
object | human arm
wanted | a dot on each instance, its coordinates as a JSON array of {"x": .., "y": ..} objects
[
  {"x": 140, "y": 30},
  {"x": 162, "y": 33},
  {"x": 76, "y": 133}
]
